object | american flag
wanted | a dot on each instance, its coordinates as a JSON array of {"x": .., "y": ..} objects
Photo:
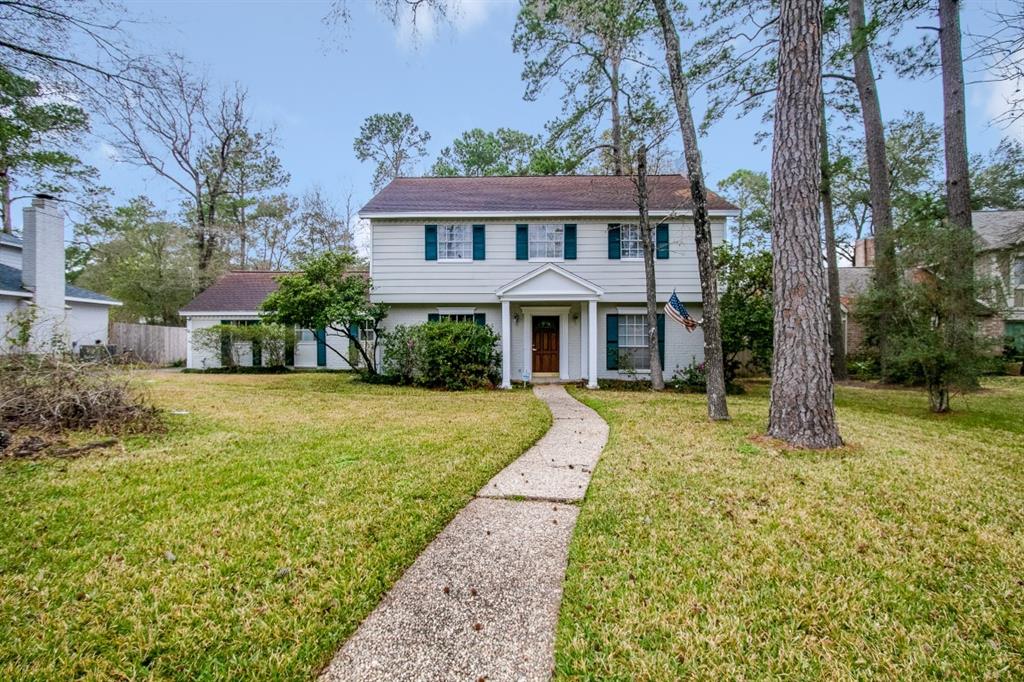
[{"x": 678, "y": 312}]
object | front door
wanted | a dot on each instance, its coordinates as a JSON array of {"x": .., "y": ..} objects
[{"x": 545, "y": 345}]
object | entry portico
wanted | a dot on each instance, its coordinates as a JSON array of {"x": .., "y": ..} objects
[{"x": 550, "y": 292}]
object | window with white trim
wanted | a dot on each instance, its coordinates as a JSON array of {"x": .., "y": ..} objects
[
  {"x": 454, "y": 242},
  {"x": 305, "y": 335},
  {"x": 634, "y": 352},
  {"x": 1017, "y": 278},
  {"x": 630, "y": 244},
  {"x": 367, "y": 333},
  {"x": 547, "y": 242},
  {"x": 457, "y": 317}
]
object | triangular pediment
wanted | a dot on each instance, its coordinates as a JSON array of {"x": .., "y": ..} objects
[{"x": 549, "y": 282}]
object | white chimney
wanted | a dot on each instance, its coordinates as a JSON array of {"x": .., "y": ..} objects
[{"x": 42, "y": 267}]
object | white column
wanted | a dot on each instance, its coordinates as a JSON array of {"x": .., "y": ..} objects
[
  {"x": 506, "y": 344},
  {"x": 592, "y": 344},
  {"x": 584, "y": 341}
]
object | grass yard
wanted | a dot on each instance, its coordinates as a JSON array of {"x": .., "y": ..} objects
[
  {"x": 703, "y": 554},
  {"x": 250, "y": 540}
]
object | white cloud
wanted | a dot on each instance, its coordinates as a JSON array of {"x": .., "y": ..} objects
[
  {"x": 423, "y": 26},
  {"x": 999, "y": 95},
  {"x": 105, "y": 150}
]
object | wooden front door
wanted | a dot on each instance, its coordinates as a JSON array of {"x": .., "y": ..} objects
[{"x": 545, "y": 345}]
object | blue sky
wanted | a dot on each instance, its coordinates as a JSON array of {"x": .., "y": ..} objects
[{"x": 316, "y": 85}]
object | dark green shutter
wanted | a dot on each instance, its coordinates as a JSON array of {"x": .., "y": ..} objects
[
  {"x": 570, "y": 242},
  {"x": 225, "y": 346},
  {"x": 611, "y": 338},
  {"x": 661, "y": 339},
  {"x": 430, "y": 242},
  {"x": 662, "y": 241},
  {"x": 522, "y": 242},
  {"x": 479, "y": 242},
  {"x": 433, "y": 317},
  {"x": 614, "y": 242},
  {"x": 480, "y": 318},
  {"x": 353, "y": 354},
  {"x": 257, "y": 353},
  {"x": 321, "y": 347}
]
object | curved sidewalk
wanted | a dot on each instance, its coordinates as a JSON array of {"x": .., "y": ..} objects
[{"x": 481, "y": 601}]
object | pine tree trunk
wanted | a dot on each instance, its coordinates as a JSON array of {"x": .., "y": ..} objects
[
  {"x": 837, "y": 339},
  {"x": 617, "y": 149},
  {"x": 878, "y": 168},
  {"x": 657, "y": 376},
  {"x": 801, "y": 410},
  {"x": 713, "y": 361},
  {"x": 960, "y": 326}
]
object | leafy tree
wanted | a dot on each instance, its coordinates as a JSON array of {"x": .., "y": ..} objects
[
  {"x": 254, "y": 171},
  {"x": 322, "y": 226},
  {"x": 394, "y": 142},
  {"x": 746, "y": 279},
  {"x": 928, "y": 348},
  {"x": 36, "y": 138},
  {"x": 268, "y": 343},
  {"x": 586, "y": 46},
  {"x": 997, "y": 181},
  {"x": 330, "y": 292},
  {"x": 140, "y": 258},
  {"x": 504, "y": 152},
  {"x": 751, "y": 192}
]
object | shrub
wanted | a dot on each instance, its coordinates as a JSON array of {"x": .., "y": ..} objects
[
  {"x": 450, "y": 355},
  {"x": 694, "y": 379},
  {"x": 230, "y": 342}
]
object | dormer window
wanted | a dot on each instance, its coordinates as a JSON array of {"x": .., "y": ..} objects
[{"x": 454, "y": 242}]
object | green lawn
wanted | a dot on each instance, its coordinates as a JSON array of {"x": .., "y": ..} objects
[
  {"x": 702, "y": 553},
  {"x": 290, "y": 505}
]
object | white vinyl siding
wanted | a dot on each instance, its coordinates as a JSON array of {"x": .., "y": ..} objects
[
  {"x": 630, "y": 244},
  {"x": 454, "y": 242},
  {"x": 547, "y": 242},
  {"x": 401, "y": 275}
]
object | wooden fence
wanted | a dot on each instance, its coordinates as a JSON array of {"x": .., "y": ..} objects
[{"x": 149, "y": 342}]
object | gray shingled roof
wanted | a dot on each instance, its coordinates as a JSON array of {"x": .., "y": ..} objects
[
  {"x": 10, "y": 280},
  {"x": 235, "y": 291},
  {"x": 532, "y": 194},
  {"x": 854, "y": 281},
  {"x": 998, "y": 229},
  {"x": 9, "y": 240}
]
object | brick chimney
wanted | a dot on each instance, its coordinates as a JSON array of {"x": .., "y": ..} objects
[
  {"x": 864, "y": 253},
  {"x": 42, "y": 267}
]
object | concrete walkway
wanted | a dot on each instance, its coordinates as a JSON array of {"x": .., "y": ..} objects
[{"x": 481, "y": 602}]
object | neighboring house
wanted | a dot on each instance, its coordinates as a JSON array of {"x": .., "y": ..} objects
[
  {"x": 32, "y": 278},
  {"x": 553, "y": 264},
  {"x": 235, "y": 298},
  {"x": 999, "y": 255}
]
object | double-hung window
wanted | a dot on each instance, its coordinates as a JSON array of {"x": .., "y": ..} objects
[
  {"x": 634, "y": 354},
  {"x": 456, "y": 317},
  {"x": 305, "y": 335},
  {"x": 630, "y": 244},
  {"x": 547, "y": 242},
  {"x": 454, "y": 242}
]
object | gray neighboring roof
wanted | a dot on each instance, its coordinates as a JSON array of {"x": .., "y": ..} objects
[
  {"x": 854, "y": 281},
  {"x": 10, "y": 240},
  {"x": 532, "y": 194},
  {"x": 10, "y": 280},
  {"x": 998, "y": 229}
]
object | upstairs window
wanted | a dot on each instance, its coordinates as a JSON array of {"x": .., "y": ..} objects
[
  {"x": 630, "y": 243},
  {"x": 454, "y": 242},
  {"x": 1017, "y": 275},
  {"x": 634, "y": 353},
  {"x": 547, "y": 242}
]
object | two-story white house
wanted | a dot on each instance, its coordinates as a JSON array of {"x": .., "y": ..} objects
[{"x": 554, "y": 264}]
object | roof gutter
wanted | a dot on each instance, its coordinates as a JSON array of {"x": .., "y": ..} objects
[{"x": 724, "y": 212}]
